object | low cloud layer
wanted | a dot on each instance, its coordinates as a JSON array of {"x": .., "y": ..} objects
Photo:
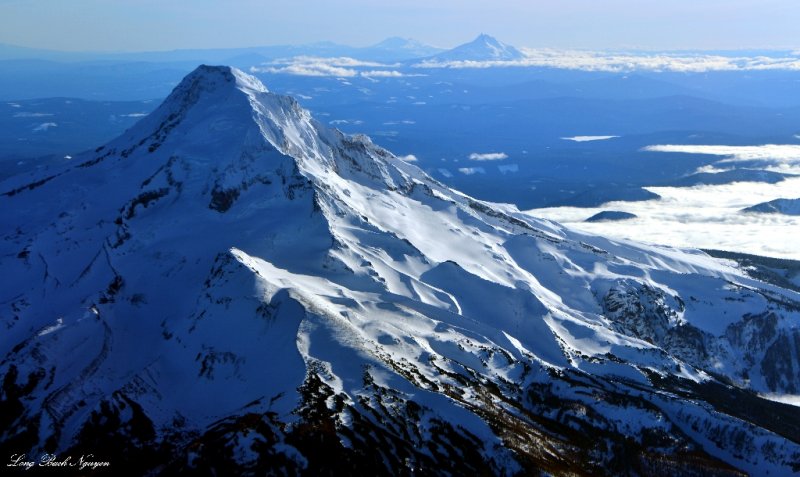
[
  {"x": 489, "y": 156},
  {"x": 588, "y": 138},
  {"x": 25, "y": 114},
  {"x": 707, "y": 216},
  {"x": 44, "y": 127},
  {"x": 339, "y": 67},
  {"x": 774, "y": 157},
  {"x": 468, "y": 171},
  {"x": 700, "y": 217},
  {"x": 337, "y": 122},
  {"x": 385, "y": 74},
  {"x": 626, "y": 61},
  {"x": 445, "y": 172}
]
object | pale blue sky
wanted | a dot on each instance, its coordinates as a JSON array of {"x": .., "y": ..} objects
[{"x": 170, "y": 24}]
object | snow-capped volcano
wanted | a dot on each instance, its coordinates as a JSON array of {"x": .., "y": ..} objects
[
  {"x": 482, "y": 48},
  {"x": 233, "y": 286},
  {"x": 404, "y": 48}
]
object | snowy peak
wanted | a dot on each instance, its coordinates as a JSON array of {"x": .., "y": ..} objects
[
  {"x": 210, "y": 78},
  {"x": 230, "y": 114},
  {"x": 211, "y": 83},
  {"x": 397, "y": 48},
  {"x": 205, "y": 94},
  {"x": 482, "y": 48},
  {"x": 220, "y": 137},
  {"x": 397, "y": 43}
]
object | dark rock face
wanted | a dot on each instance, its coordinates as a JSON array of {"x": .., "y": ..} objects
[
  {"x": 753, "y": 334},
  {"x": 385, "y": 434},
  {"x": 780, "y": 366},
  {"x": 641, "y": 311},
  {"x": 756, "y": 339}
]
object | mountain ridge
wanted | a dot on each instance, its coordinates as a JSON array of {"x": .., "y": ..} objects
[{"x": 777, "y": 206}]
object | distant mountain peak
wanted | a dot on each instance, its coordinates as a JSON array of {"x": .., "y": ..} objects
[
  {"x": 397, "y": 47},
  {"x": 398, "y": 42},
  {"x": 483, "y": 48}
]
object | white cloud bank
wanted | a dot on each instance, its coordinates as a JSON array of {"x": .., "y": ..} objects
[
  {"x": 319, "y": 69},
  {"x": 489, "y": 156},
  {"x": 338, "y": 67},
  {"x": 337, "y": 122},
  {"x": 707, "y": 216},
  {"x": 25, "y": 114},
  {"x": 588, "y": 138},
  {"x": 783, "y": 158},
  {"x": 699, "y": 217},
  {"x": 445, "y": 172},
  {"x": 385, "y": 74},
  {"x": 468, "y": 171},
  {"x": 621, "y": 62},
  {"x": 44, "y": 127}
]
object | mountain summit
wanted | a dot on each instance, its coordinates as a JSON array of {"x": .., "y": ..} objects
[
  {"x": 234, "y": 288},
  {"x": 482, "y": 48},
  {"x": 404, "y": 48}
]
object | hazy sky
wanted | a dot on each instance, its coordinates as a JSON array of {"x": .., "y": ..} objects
[{"x": 170, "y": 24}]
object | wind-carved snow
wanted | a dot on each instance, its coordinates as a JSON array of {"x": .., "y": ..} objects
[{"x": 285, "y": 276}]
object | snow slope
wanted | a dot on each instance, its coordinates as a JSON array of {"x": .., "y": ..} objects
[{"x": 232, "y": 285}]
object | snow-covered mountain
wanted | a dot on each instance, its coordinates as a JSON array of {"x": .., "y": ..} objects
[
  {"x": 482, "y": 48},
  {"x": 777, "y": 206},
  {"x": 234, "y": 287},
  {"x": 403, "y": 48}
]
